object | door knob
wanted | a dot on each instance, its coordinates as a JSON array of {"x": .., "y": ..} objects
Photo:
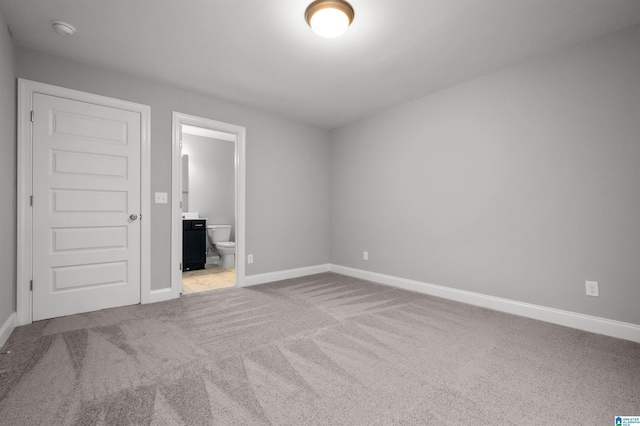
[{"x": 133, "y": 217}]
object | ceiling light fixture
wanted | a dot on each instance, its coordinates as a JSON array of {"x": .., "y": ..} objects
[
  {"x": 63, "y": 28},
  {"x": 329, "y": 18}
]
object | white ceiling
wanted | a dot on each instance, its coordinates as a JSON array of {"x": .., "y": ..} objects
[{"x": 261, "y": 53}]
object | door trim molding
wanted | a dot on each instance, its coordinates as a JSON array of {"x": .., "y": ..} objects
[
  {"x": 26, "y": 89},
  {"x": 178, "y": 119}
]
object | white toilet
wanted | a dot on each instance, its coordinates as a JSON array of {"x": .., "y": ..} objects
[{"x": 219, "y": 236}]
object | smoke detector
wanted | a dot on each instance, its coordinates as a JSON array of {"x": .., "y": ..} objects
[{"x": 63, "y": 28}]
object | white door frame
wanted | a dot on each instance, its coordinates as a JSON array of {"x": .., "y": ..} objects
[
  {"x": 178, "y": 119},
  {"x": 26, "y": 89}
]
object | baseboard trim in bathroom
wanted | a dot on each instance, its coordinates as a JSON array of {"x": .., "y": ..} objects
[
  {"x": 7, "y": 328},
  {"x": 284, "y": 275}
]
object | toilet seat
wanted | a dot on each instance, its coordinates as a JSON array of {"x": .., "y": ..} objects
[{"x": 227, "y": 244}]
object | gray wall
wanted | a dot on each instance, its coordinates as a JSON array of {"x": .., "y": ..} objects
[
  {"x": 521, "y": 184},
  {"x": 287, "y": 221},
  {"x": 211, "y": 179},
  {"x": 8, "y": 178}
]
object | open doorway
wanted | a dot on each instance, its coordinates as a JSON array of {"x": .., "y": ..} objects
[
  {"x": 208, "y": 204},
  {"x": 208, "y": 209}
]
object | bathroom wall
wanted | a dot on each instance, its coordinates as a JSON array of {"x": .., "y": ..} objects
[
  {"x": 287, "y": 165},
  {"x": 521, "y": 184},
  {"x": 185, "y": 183},
  {"x": 8, "y": 177},
  {"x": 211, "y": 179}
]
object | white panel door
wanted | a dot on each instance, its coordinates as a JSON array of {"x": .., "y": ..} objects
[{"x": 86, "y": 207}]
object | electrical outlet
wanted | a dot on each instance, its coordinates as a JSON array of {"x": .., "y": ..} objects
[
  {"x": 592, "y": 288},
  {"x": 365, "y": 255},
  {"x": 250, "y": 258}
]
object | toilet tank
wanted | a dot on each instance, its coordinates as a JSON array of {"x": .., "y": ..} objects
[{"x": 219, "y": 233}]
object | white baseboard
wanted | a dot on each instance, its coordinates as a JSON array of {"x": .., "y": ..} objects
[
  {"x": 284, "y": 275},
  {"x": 621, "y": 330},
  {"x": 7, "y": 328},
  {"x": 160, "y": 295}
]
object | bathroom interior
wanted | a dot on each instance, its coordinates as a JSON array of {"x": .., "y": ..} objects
[{"x": 208, "y": 210}]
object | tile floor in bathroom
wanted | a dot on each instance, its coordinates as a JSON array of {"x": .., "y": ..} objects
[{"x": 210, "y": 278}]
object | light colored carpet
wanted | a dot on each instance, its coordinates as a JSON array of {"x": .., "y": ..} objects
[{"x": 319, "y": 350}]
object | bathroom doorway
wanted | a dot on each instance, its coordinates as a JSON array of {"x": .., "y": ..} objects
[
  {"x": 208, "y": 208},
  {"x": 208, "y": 204}
]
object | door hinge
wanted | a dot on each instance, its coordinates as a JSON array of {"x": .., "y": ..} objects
[
  {"x": 181, "y": 266},
  {"x": 31, "y": 200},
  {"x": 180, "y": 142},
  {"x": 31, "y": 285},
  {"x": 32, "y": 116}
]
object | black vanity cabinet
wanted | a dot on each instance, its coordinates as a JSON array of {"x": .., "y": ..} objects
[{"x": 194, "y": 244}]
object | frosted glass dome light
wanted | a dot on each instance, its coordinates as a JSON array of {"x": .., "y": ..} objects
[{"x": 329, "y": 18}]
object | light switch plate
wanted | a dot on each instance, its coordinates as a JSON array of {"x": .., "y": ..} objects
[{"x": 161, "y": 197}]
